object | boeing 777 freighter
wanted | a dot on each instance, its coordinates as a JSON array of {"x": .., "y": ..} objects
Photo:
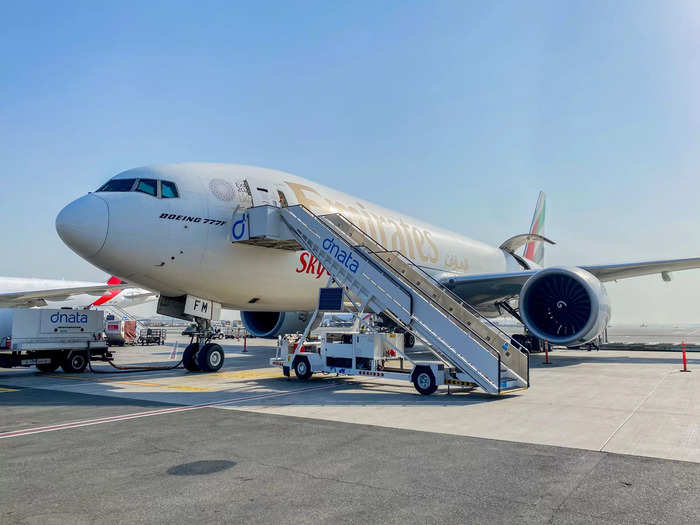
[{"x": 170, "y": 228}]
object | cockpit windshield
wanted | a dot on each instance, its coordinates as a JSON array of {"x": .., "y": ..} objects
[
  {"x": 163, "y": 189},
  {"x": 168, "y": 190},
  {"x": 149, "y": 186},
  {"x": 118, "y": 185}
]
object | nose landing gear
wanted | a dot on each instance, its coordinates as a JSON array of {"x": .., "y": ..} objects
[{"x": 201, "y": 354}]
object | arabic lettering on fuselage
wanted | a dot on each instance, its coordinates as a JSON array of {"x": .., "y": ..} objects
[
  {"x": 412, "y": 241},
  {"x": 456, "y": 263}
]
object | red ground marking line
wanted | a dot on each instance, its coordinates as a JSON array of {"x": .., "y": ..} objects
[{"x": 136, "y": 415}]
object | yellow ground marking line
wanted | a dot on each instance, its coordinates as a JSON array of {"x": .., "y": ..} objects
[
  {"x": 256, "y": 373},
  {"x": 9, "y": 389},
  {"x": 137, "y": 383},
  {"x": 159, "y": 385}
]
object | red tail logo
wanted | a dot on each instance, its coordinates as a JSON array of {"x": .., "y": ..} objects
[{"x": 110, "y": 294}]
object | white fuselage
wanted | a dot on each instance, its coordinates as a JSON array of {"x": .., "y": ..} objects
[{"x": 183, "y": 245}]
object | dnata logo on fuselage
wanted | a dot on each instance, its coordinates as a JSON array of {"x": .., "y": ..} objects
[
  {"x": 340, "y": 255},
  {"x": 74, "y": 317}
]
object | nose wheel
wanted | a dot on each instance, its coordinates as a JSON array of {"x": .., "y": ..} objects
[
  {"x": 210, "y": 357},
  {"x": 189, "y": 357},
  {"x": 203, "y": 355}
]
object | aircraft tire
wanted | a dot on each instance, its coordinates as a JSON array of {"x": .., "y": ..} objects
[
  {"x": 302, "y": 368},
  {"x": 75, "y": 362},
  {"x": 424, "y": 380},
  {"x": 210, "y": 357},
  {"x": 189, "y": 357}
]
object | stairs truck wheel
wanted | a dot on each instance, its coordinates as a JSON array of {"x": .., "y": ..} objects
[
  {"x": 49, "y": 367},
  {"x": 211, "y": 357},
  {"x": 75, "y": 362},
  {"x": 408, "y": 340},
  {"x": 189, "y": 357},
  {"x": 302, "y": 368},
  {"x": 424, "y": 380}
]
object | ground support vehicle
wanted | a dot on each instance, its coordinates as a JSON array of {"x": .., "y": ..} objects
[
  {"x": 234, "y": 332},
  {"x": 152, "y": 336},
  {"x": 121, "y": 332},
  {"x": 385, "y": 282},
  {"x": 51, "y": 338},
  {"x": 367, "y": 354}
]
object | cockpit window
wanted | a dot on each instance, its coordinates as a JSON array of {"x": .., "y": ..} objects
[
  {"x": 117, "y": 185},
  {"x": 168, "y": 190},
  {"x": 149, "y": 186}
]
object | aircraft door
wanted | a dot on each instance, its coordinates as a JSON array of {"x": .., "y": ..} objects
[
  {"x": 244, "y": 196},
  {"x": 262, "y": 193}
]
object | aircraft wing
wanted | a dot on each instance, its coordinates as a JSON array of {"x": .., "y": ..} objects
[
  {"x": 485, "y": 289},
  {"x": 32, "y": 298},
  {"x": 613, "y": 272}
]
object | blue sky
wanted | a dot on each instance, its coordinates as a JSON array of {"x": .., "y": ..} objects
[{"x": 454, "y": 112}]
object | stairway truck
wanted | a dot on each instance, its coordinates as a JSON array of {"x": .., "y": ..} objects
[
  {"x": 376, "y": 280},
  {"x": 51, "y": 338},
  {"x": 367, "y": 354}
]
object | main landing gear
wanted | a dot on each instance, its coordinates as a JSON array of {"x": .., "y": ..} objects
[{"x": 201, "y": 354}]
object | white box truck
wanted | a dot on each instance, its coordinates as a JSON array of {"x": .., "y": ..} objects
[{"x": 51, "y": 338}]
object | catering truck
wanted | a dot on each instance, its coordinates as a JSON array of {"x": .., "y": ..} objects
[{"x": 51, "y": 338}]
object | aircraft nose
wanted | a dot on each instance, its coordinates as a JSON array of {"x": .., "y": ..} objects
[{"x": 83, "y": 224}]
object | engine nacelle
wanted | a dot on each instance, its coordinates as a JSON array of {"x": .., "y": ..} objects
[
  {"x": 565, "y": 306},
  {"x": 272, "y": 324}
]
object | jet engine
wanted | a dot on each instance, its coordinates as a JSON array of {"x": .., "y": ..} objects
[
  {"x": 272, "y": 324},
  {"x": 566, "y": 306}
]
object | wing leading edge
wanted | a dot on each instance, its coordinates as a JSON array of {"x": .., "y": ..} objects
[
  {"x": 486, "y": 289},
  {"x": 613, "y": 272}
]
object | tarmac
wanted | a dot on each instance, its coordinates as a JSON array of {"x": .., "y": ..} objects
[{"x": 608, "y": 436}]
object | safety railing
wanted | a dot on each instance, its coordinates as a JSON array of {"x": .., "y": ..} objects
[
  {"x": 300, "y": 225},
  {"x": 513, "y": 356}
]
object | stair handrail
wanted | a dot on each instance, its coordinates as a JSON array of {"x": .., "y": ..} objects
[
  {"x": 490, "y": 347},
  {"x": 367, "y": 256},
  {"x": 521, "y": 369},
  {"x": 442, "y": 287},
  {"x": 370, "y": 260}
]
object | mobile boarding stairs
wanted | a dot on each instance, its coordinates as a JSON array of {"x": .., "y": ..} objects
[{"x": 473, "y": 350}]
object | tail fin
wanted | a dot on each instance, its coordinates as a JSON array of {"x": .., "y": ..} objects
[
  {"x": 109, "y": 295},
  {"x": 534, "y": 251}
]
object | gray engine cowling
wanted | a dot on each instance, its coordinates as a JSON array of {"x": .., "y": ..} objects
[
  {"x": 272, "y": 324},
  {"x": 566, "y": 306}
]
